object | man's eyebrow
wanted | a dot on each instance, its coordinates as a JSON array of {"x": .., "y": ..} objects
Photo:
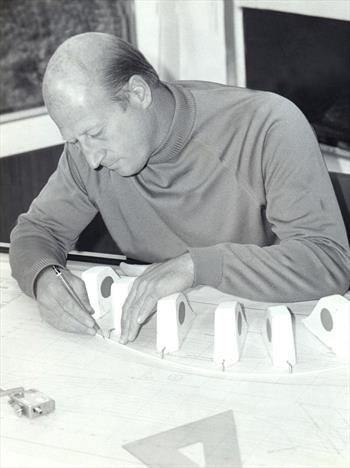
[{"x": 92, "y": 127}]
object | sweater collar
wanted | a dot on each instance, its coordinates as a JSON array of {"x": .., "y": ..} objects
[{"x": 181, "y": 126}]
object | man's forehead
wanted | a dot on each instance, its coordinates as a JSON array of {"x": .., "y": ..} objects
[
  {"x": 74, "y": 94},
  {"x": 78, "y": 117},
  {"x": 74, "y": 128}
]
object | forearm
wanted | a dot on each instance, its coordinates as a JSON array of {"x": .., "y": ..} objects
[
  {"x": 296, "y": 270},
  {"x": 31, "y": 251}
]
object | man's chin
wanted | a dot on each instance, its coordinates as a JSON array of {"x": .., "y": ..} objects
[{"x": 122, "y": 171}]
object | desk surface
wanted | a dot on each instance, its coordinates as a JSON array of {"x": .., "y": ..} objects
[{"x": 118, "y": 407}]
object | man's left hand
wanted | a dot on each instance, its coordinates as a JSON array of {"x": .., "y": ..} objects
[{"x": 152, "y": 283}]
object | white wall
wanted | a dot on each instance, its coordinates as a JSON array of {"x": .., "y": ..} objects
[
  {"x": 183, "y": 39},
  {"x": 337, "y": 9},
  {"x": 28, "y": 133}
]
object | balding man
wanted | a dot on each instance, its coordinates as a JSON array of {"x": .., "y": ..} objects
[{"x": 211, "y": 184}]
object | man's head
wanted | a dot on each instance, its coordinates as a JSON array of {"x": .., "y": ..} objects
[{"x": 99, "y": 90}]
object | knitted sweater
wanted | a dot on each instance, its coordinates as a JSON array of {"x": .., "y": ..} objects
[{"x": 239, "y": 183}]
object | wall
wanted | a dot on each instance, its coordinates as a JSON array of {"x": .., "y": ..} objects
[
  {"x": 27, "y": 133},
  {"x": 184, "y": 39},
  {"x": 337, "y": 9}
]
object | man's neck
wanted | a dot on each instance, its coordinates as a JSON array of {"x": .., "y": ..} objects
[{"x": 164, "y": 106}]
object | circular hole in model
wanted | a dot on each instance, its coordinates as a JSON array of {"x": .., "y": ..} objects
[
  {"x": 326, "y": 319},
  {"x": 239, "y": 323},
  {"x": 106, "y": 286},
  {"x": 182, "y": 313},
  {"x": 268, "y": 330}
]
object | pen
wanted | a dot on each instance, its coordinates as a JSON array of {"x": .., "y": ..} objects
[{"x": 75, "y": 296}]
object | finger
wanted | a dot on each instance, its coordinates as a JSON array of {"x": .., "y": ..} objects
[
  {"x": 63, "y": 321},
  {"x": 135, "y": 293},
  {"x": 57, "y": 292},
  {"x": 133, "y": 326},
  {"x": 148, "y": 308},
  {"x": 144, "y": 309},
  {"x": 127, "y": 317},
  {"x": 71, "y": 307},
  {"x": 133, "y": 270},
  {"x": 55, "y": 301}
]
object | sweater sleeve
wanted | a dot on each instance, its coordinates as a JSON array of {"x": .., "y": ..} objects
[
  {"x": 44, "y": 235},
  {"x": 310, "y": 257}
]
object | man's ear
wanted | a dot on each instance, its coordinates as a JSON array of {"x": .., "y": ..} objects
[{"x": 140, "y": 93}]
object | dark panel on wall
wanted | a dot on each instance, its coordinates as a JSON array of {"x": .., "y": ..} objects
[
  {"x": 21, "y": 179},
  {"x": 32, "y": 29},
  {"x": 305, "y": 59},
  {"x": 341, "y": 184}
]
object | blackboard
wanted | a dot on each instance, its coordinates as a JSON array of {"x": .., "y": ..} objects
[{"x": 32, "y": 29}]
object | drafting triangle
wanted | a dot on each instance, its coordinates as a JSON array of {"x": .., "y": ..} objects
[
  {"x": 216, "y": 434},
  {"x": 195, "y": 452}
]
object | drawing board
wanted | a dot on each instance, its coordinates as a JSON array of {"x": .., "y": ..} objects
[{"x": 114, "y": 403}]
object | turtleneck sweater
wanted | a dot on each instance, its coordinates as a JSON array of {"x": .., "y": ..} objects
[{"x": 239, "y": 182}]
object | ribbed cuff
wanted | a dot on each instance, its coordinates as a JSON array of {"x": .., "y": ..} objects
[
  {"x": 35, "y": 272},
  {"x": 207, "y": 263},
  {"x": 29, "y": 255}
]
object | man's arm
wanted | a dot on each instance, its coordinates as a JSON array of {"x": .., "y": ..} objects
[
  {"x": 43, "y": 237},
  {"x": 311, "y": 256}
]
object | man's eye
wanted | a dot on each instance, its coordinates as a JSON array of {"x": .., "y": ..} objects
[{"x": 96, "y": 134}]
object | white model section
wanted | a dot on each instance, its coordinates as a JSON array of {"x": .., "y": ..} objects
[
  {"x": 230, "y": 331},
  {"x": 329, "y": 322},
  {"x": 120, "y": 291},
  {"x": 174, "y": 319},
  {"x": 98, "y": 281},
  {"x": 278, "y": 336}
]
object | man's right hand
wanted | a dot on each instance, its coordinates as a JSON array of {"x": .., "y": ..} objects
[{"x": 58, "y": 307}]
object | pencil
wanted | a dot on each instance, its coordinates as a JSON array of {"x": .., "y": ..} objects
[{"x": 75, "y": 296}]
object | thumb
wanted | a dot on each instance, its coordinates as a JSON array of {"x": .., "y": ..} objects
[{"x": 133, "y": 270}]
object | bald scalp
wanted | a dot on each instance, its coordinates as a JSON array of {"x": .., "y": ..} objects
[
  {"x": 75, "y": 67},
  {"x": 92, "y": 60}
]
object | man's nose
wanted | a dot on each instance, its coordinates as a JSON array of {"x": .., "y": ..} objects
[
  {"x": 94, "y": 158},
  {"x": 93, "y": 155}
]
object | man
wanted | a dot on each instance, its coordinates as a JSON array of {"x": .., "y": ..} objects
[{"x": 211, "y": 184}]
